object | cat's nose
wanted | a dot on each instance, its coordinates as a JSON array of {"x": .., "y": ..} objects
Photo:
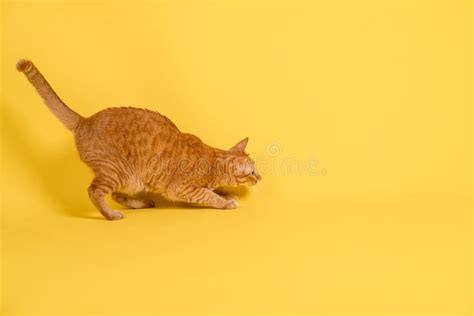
[{"x": 259, "y": 177}]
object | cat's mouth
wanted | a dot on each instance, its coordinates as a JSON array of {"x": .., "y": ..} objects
[{"x": 254, "y": 179}]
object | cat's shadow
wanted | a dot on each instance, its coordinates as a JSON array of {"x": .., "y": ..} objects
[
  {"x": 60, "y": 176},
  {"x": 64, "y": 178},
  {"x": 162, "y": 202}
]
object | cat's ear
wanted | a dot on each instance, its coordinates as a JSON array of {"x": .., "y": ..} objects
[{"x": 240, "y": 146}]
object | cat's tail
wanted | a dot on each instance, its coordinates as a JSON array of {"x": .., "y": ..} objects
[{"x": 67, "y": 116}]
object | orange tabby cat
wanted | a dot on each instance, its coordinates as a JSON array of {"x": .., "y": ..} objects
[{"x": 135, "y": 150}]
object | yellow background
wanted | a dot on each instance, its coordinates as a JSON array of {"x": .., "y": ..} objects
[{"x": 377, "y": 93}]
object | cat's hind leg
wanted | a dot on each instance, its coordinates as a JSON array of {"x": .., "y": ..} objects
[
  {"x": 131, "y": 202},
  {"x": 99, "y": 188}
]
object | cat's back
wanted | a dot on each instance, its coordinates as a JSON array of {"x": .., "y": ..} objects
[
  {"x": 123, "y": 129},
  {"x": 122, "y": 121},
  {"x": 128, "y": 118}
]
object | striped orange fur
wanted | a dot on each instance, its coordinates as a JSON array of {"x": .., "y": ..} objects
[{"x": 133, "y": 150}]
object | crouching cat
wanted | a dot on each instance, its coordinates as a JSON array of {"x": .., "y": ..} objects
[{"x": 132, "y": 150}]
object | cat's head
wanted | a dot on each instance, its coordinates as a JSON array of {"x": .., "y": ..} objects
[{"x": 244, "y": 169}]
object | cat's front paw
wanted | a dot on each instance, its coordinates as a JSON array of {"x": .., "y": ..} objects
[
  {"x": 115, "y": 215},
  {"x": 149, "y": 203},
  {"x": 231, "y": 204},
  {"x": 229, "y": 196}
]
